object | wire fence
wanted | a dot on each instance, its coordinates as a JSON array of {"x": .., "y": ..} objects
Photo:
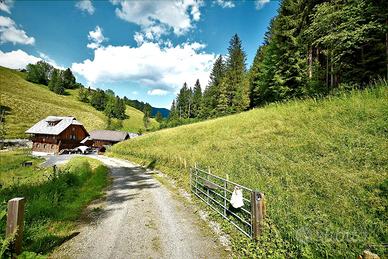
[{"x": 216, "y": 192}]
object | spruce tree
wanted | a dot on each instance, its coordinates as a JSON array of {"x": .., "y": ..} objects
[
  {"x": 235, "y": 74},
  {"x": 212, "y": 91},
  {"x": 196, "y": 99}
]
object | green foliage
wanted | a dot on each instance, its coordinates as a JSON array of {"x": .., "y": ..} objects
[
  {"x": 312, "y": 47},
  {"x": 83, "y": 95},
  {"x": 56, "y": 83},
  {"x": 55, "y": 201},
  {"x": 147, "y": 115},
  {"x": 39, "y": 73},
  {"x": 159, "y": 117},
  {"x": 321, "y": 163},
  {"x": 98, "y": 100},
  {"x": 68, "y": 79}
]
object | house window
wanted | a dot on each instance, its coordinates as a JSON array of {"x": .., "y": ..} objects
[{"x": 73, "y": 129}]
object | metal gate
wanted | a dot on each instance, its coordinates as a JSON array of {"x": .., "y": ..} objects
[{"x": 216, "y": 192}]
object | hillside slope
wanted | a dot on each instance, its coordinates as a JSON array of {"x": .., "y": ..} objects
[
  {"x": 26, "y": 103},
  {"x": 323, "y": 166}
]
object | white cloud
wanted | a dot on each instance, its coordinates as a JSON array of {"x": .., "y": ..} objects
[
  {"x": 16, "y": 59},
  {"x": 154, "y": 66},
  {"x": 158, "y": 18},
  {"x": 19, "y": 59},
  {"x": 50, "y": 61},
  {"x": 225, "y": 3},
  {"x": 260, "y": 3},
  {"x": 159, "y": 92},
  {"x": 85, "y": 6},
  {"x": 96, "y": 37},
  {"x": 9, "y": 32},
  {"x": 6, "y": 5}
]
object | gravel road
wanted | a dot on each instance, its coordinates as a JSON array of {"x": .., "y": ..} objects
[{"x": 141, "y": 219}]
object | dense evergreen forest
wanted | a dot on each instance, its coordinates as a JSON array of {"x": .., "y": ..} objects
[{"x": 311, "y": 49}]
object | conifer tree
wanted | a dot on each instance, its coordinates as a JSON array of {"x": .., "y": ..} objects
[
  {"x": 212, "y": 92},
  {"x": 196, "y": 99},
  {"x": 235, "y": 74}
]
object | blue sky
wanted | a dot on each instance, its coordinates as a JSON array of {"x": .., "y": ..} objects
[{"x": 144, "y": 50}]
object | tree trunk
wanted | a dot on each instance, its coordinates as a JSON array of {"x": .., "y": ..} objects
[
  {"x": 327, "y": 70},
  {"x": 386, "y": 45},
  {"x": 331, "y": 71},
  {"x": 310, "y": 62}
]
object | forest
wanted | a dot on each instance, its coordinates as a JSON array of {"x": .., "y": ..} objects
[{"x": 312, "y": 48}]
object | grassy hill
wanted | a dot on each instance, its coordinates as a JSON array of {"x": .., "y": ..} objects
[
  {"x": 26, "y": 103},
  {"x": 323, "y": 165}
]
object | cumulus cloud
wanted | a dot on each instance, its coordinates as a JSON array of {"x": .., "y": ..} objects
[
  {"x": 225, "y": 3},
  {"x": 96, "y": 37},
  {"x": 85, "y": 6},
  {"x": 6, "y": 5},
  {"x": 159, "y": 92},
  {"x": 260, "y": 3},
  {"x": 158, "y": 18},
  {"x": 16, "y": 59},
  {"x": 9, "y": 32},
  {"x": 50, "y": 60},
  {"x": 159, "y": 68}
]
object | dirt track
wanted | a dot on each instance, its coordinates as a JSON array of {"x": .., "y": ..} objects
[{"x": 141, "y": 219}]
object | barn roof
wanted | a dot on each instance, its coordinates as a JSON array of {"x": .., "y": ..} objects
[
  {"x": 109, "y": 135},
  {"x": 46, "y": 126}
]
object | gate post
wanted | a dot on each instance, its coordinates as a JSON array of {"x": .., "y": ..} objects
[
  {"x": 258, "y": 213},
  {"x": 15, "y": 222}
]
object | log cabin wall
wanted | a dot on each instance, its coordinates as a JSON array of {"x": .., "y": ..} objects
[{"x": 69, "y": 138}]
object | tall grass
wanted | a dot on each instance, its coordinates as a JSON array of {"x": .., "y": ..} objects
[
  {"x": 323, "y": 165},
  {"x": 53, "y": 205}
]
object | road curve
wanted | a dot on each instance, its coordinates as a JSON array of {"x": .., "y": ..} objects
[{"x": 141, "y": 219}]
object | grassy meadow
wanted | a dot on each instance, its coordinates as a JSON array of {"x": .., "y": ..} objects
[
  {"x": 26, "y": 103},
  {"x": 54, "y": 202},
  {"x": 323, "y": 165}
]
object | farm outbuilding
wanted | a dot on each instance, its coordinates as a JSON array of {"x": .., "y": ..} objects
[
  {"x": 55, "y": 133},
  {"x": 101, "y": 138}
]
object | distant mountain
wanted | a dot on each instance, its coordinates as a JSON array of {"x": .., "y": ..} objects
[
  {"x": 140, "y": 106},
  {"x": 165, "y": 112}
]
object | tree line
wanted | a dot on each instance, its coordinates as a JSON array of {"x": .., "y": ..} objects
[
  {"x": 106, "y": 101},
  {"x": 312, "y": 48},
  {"x": 57, "y": 80}
]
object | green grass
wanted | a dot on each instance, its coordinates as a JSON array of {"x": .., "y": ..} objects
[
  {"x": 54, "y": 202},
  {"x": 323, "y": 165},
  {"x": 11, "y": 169},
  {"x": 27, "y": 103}
]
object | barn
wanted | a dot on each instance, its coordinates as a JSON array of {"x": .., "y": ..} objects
[
  {"x": 55, "y": 133},
  {"x": 101, "y": 138}
]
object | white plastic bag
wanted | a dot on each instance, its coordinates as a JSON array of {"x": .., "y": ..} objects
[{"x": 237, "y": 198}]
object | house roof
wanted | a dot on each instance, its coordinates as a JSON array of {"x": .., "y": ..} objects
[
  {"x": 109, "y": 135},
  {"x": 44, "y": 127}
]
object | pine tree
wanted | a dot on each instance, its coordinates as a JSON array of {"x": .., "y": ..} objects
[
  {"x": 68, "y": 79},
  {"x": 196, "y": 99},
  {"x": 159, "y": 117},
  {"x": 212, "y": 91},
  {"x": 173, "y": 111},
  {"x": 235, "y": 74}
]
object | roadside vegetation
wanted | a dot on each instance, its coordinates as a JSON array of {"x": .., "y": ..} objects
[
  {"x": 54, "y": 201},
  {"x": 322, "y": 163},
  {"x": 25, "y": 103}
]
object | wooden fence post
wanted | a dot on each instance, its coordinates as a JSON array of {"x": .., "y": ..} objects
[
  {"x": 258, "y": 213},
  {"x": 15, "y": 222}
]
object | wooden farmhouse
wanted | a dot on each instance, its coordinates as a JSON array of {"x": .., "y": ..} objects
[
  {"x": 101, "y": 138},
  {"x": 54, "y": 133}
]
